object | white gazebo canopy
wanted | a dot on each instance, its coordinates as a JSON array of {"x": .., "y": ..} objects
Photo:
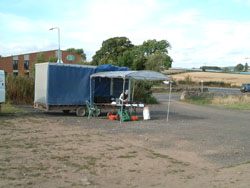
[{"x": 134, "y": 75}]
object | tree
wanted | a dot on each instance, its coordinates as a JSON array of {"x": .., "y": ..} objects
[
  {"x": 79, "y": 51},
  {"x": 210, "y": 68},
  {"x": 120, "y": 51},
  {"x": 225, "y": 69},
  {"x": 126, "y": 59},
  {"x": 139, "y": 63},
  {"x": 53, "y": 59},
  {"x": 112, "y": 49},
  {"x": 158, "y": 61},
  {"x": 151, "y": 46},
  {"x": 148, "y": 49},
  {"x": 40, "y": 58},
  {"x": 246, "y": 68},
  {"x": 239, "y": 68}
]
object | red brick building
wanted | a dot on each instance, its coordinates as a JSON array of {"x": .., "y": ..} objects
[{"x": 21, "y": 64}]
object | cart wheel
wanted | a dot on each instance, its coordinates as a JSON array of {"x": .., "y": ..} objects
[
  {"x": 66, "y": 111},
  {"x": 80, "y": 111}
]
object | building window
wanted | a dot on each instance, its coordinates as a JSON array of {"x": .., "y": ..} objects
[
  {"x": 27, "y": 74},
  {"x": 26, "y": 64},
  {"x": 15, "y": 73},
  {"x": 15, "y": 64}
]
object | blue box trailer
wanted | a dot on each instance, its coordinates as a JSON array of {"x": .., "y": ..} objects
[{"x": 66, "y": 87}]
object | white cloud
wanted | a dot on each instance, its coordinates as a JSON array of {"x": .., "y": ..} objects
[
  {"x": 195, "y": 40},
  {"x": 20, "y": 24},
  {"x": 187, "y": 17},
  {"x": 242, "y": 1}
]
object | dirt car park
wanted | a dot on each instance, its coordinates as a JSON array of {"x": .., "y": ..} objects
[{"x": 199, "y": 147}]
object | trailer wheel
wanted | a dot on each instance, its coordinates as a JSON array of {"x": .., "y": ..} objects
[
  {"x": 66, "y": 111},
  {"x": 80, "y": 111}
]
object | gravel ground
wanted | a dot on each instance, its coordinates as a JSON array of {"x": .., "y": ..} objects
[
  {"x": 219, "y": 136},
  {"x": 199, "y": 147}
]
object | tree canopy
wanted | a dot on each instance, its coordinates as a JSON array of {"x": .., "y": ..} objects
[
  {"x": 239, "y": 68},
  {"x": 246, "y": 67},
  {"x": 79, "y": 51},
  {"x": 151, "y": 55},
  {"x": 158, "y": 61},
  {"x": 151, "y": 46},
  {"x": 111, "y": 50}
]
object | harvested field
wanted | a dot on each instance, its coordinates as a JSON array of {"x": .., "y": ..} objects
[{"x": 234, "y": 79}]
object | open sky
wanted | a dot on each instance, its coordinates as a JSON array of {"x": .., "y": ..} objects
[{"x": 201, "y": 32}]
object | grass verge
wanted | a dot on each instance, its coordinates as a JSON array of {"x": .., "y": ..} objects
[
  {"x": 241, "y": 102},
  {"x": 8, "y": 109}
]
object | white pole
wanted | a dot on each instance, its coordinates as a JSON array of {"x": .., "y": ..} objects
[
  {"x": 201, "y": 86},
  {"x": 59, "y": 50},
  {"x": 123, "y": 88},
  {"x": 169, "y": 98},
  {"x": 133, "y": 90},
  {"x": 59, "y": 54},
  {"x": 129, "y": 90},
  {"x": 90, "y": 93}
]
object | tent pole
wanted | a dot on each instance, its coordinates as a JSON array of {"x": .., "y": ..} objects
[
  {"x": 90, "y": 93},
  {"x": 123, "y": 88},
  {"x": 169, "y": 98},
  {"x": 133, "y": 90}
]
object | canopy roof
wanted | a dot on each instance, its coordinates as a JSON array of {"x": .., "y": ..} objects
[{"x": 133, "y": 75}]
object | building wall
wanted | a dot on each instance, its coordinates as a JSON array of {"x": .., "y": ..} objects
[{"x": 6, "y": 63}]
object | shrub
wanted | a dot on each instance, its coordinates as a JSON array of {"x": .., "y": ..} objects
[
  {"x": 143, "y": 92},
  {"x": 186, "y": 81},
  {"x": 19, "y": 90},
  {"x": 220, "y": 84}
]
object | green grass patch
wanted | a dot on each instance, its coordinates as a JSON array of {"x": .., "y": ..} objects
[
  {"x": 5, "y": 123},
  {"x": 234, "y": 106},
  {"x": 232, "y": 166},
  {"x": 128, "y": 155},
  {"x": 172, "y": 160},
  {"x": 9, "y": 109},
  {"x": 132, "y": 170},
  {"x": 199, "y": 100},
  {"x": 35, "y": 121},
  {"x": 228, "y": 102},
  {"x": 160, "y": 155}
]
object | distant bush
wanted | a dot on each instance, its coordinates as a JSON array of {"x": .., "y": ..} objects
[
  {"x": 210, "y": 68},
  {"x": 19, "y": 90},
  {"x": 219, "y": 84},
  {"x": 184, "y": 82},
  {"x": 187, "y": 81}
]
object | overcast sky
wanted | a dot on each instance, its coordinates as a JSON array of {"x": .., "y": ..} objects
[{"x": 201, "y": 32}]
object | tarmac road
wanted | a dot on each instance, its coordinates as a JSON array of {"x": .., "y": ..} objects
[
  {"x": 219, "y": 136},
  {"x": 224, "y": 90}
]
